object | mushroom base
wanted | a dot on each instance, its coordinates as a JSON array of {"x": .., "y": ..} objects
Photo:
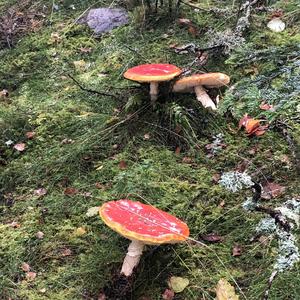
[
  {"x": 132, "y": 258},
  {"x": 203, "y": 97}
]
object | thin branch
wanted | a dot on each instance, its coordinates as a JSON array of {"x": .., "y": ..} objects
[
  {"x": 275, "y": 214},
  {"x": 89, "y": 90},
  {"x": 270, "y": 281}
]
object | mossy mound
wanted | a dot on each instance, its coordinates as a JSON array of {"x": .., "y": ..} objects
[{"x": 89, "y": 148}]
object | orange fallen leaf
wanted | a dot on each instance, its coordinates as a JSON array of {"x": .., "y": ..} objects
[{"x": 251, "y": 125}]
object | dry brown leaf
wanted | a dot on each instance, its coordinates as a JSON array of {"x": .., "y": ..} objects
[
  {"x": 66, "y": 252},
  {"x": 266, "y": 106},
  {"x": 272, "y": 190},
  {"x": 237, "y": 250},
  {"x": 85, "y": 50},
  {"x": 146, "y": 136},
  {"x": 168, "y": 294},
  {"x": 216, "y": 177},
  {"x": 122, "y": 165},
  {"x": 40, "y": 235},
  {"x": 184, "y": 21},
  {"x": 14, "y": 224},
  {"x": 25, "y": 267},
  {"x": 70, "y": 191},
  {"x": 193, "y": 30},
  {"x": 4, "y": 93},
  {"x": 20, "y": 147},
  {"x": 243, "y": 121},
  {"x": 212, "y": 238},
  {"x": 187, "y": 160},
  {"x": 222, "y": 204},
  {"x": 225, "y": 291},
  {"x": 80, "y": 231},
  {"x": 30, "y": 134},
  {"x": 100, "y": 186},
  {"x": 30, "y": 276},
  {"x": 40, "y": 192},
  {"x": 101, "y": 296},
  {"x": 177, "y": 150}
]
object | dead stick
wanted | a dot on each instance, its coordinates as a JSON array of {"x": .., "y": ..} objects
[
  {"x": 89, "y": 90},
  {"x": 270, "y": 281}
]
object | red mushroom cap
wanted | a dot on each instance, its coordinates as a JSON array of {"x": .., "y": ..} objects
[
  {"x": 152, "y": 72},
  {"x": 138, "y": 221}
]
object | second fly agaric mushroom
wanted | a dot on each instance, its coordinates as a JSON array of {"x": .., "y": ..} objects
[
  {"x": 153, "y": 74},
  {"x": 196, "y": 82},
  {"x": 143, "y": 225}
]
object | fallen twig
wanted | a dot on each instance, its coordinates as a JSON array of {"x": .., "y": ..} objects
[
  {"x": 279, "y": 219},
  {"x": 270, "y": 281},
  {"x": 89, "y": 90},
  {"x": 275, "y": 214}
]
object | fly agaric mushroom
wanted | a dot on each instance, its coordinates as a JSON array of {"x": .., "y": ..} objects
[
  {"x": 196, "y": 83},
  {"x": 143, "y": 225},
  {"x": 152, "y": 73}
]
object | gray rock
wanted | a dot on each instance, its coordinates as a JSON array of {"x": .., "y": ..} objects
[{"x": 105, "y": 19}]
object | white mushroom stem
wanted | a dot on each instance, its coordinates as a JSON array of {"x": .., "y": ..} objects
[
  {"x": 153, "y": 91},
  {"x": 132, "y": 257},
  {"x": 203, "y": 97}
]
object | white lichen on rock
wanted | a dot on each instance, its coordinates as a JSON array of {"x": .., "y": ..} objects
[
  {"x": 235, "y": 181},
  {"x": 266, "y": 226},
  {"x": 249, "y": 204},
  {"x": 227, "y": 39},
  {"x": 288, "y": 252}
]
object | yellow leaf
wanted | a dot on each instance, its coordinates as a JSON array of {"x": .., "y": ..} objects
[
  {"x": 225, "y": 291},
  {"x": 80, "y": 231},
  {"x": 178, "y": 284}
]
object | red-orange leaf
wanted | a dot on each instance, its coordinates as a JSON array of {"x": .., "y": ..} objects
[
  {"x": 251, "y": 125},
  {"x": 244, "y": 120}
]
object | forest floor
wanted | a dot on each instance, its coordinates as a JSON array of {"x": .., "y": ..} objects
[{"x": 65, "y": 150}]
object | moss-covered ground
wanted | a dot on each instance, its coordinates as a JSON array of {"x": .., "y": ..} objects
[{"x": 89, "y": 149}]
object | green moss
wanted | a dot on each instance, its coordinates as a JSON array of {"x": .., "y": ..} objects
[{"x": 81, "y": 139}]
